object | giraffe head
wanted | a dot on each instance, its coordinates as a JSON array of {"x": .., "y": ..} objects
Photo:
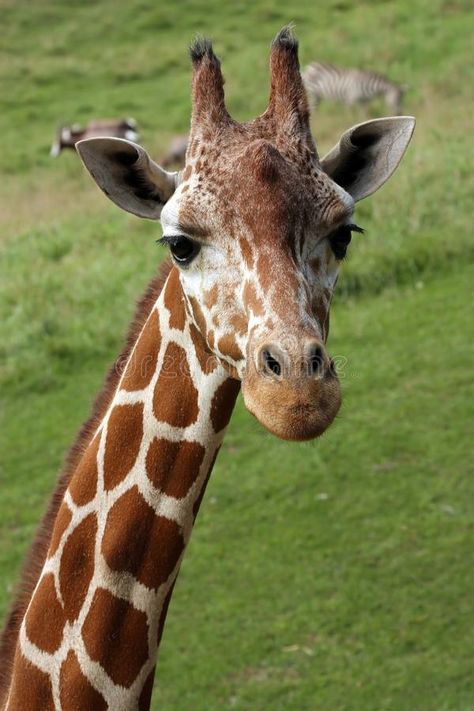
[{"x": 257, "y": 226}]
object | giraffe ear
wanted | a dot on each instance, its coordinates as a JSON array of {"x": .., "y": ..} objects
[
  {"x": 368, "y": 154},
  {"x": 127, "y": 175}
]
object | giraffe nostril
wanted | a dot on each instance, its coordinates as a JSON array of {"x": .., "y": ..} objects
[
  {"x": 270, "y": 363},
  {"x": 311, "y": 362},
  {"x": 316, "y": 360}
]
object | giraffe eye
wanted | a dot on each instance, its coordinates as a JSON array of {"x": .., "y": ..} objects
[
  {"x": 340, "y": 239},
  {"x": 182, "y": 248}
]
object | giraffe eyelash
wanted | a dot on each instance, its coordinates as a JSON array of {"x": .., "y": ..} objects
[
  {"x": 182, "y": 248},
  {"x": 340, "y": 239},
  {"x": 356, "y": 228},
  {"x": 169, "y": 240}
]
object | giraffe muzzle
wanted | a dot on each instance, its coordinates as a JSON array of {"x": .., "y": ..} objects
[{"x": 294, "y": 394}]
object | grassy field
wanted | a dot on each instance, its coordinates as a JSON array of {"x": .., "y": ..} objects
[{"x": 334, "y": 575}]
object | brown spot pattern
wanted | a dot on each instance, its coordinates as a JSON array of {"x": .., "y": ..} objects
[
  {"x": 83, "y": 484},
  {"x": 198, "y": 316},
  {"x": 174, "y": 301},
  {"x": 227, "y": 345},
  {"x": 31, "y": 688},
  {"x": 62, "y": 522},
  {"x": 115, "y": 635},
  {"x": 139, "y": 542},
  {"x": 31, "y": 571},
  {"x": 239, "y": 323},
  {"x": 175, "y": 399},
  {"x": 174, "y": 466},
  {"x": 77, "y": 566},
  {"x": 210, "y": 339},
  {"x": 124, "y": 436},
  {"x": 75, "y": 690},
  {"x": 251, "y": 300},
  {"x": 142, "y": 365},
  {"x": 265, "y": 271},
  {"x": 223, "y": 402},
  {"x": 45, "y": 617},
  {"x": 210, "y": 296},
  {"x": 246, "y": 251},
  {"x": 207, "y": 360}
]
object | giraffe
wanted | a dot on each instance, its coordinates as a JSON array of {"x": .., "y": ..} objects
[{"x": 257, "y": 226}]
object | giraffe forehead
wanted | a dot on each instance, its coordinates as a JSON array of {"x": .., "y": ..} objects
[{"x": 263, "y": 194}]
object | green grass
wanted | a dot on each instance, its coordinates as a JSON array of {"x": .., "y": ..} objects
[
  {"x": 331, "y": 575},
  {"x": 335, "y": 575}
]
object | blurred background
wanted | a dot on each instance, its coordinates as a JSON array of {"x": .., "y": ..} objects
[{"x": 335, "y": 574}]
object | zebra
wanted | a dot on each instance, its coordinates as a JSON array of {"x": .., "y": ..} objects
[{"x": 350, "y": 86}]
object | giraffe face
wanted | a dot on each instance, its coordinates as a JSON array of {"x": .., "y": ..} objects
[
  {"x": 258, "y": 272},
  {"x": 257, "y": 225}
]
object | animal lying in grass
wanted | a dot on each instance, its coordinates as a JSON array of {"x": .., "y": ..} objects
[
  {"x": 68, "y": 136},
  {"x": 175, "y": 156},
  {"x": 256, "y": 225}
]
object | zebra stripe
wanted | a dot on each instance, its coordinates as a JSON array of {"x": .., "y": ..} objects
[{"x": 350, "y": 86}]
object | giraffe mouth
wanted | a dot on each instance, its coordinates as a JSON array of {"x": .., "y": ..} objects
[{"x": 289, "y": 413}]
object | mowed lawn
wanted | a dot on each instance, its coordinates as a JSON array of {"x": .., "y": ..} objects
[{"x": 334, "y": 575}]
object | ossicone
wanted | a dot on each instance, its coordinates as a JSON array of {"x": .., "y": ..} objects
[
  {"x": 286, "y": 40},
  {"x": 287, "y": 105},
  {"x": 202, "y": 47},
  {"x": 208, "y": 105}
]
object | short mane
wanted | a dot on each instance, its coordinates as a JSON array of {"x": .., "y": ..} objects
[{"x": 36, "y": 557}]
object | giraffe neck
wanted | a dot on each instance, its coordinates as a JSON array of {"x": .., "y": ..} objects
[{"x": 91, "y": 633}]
